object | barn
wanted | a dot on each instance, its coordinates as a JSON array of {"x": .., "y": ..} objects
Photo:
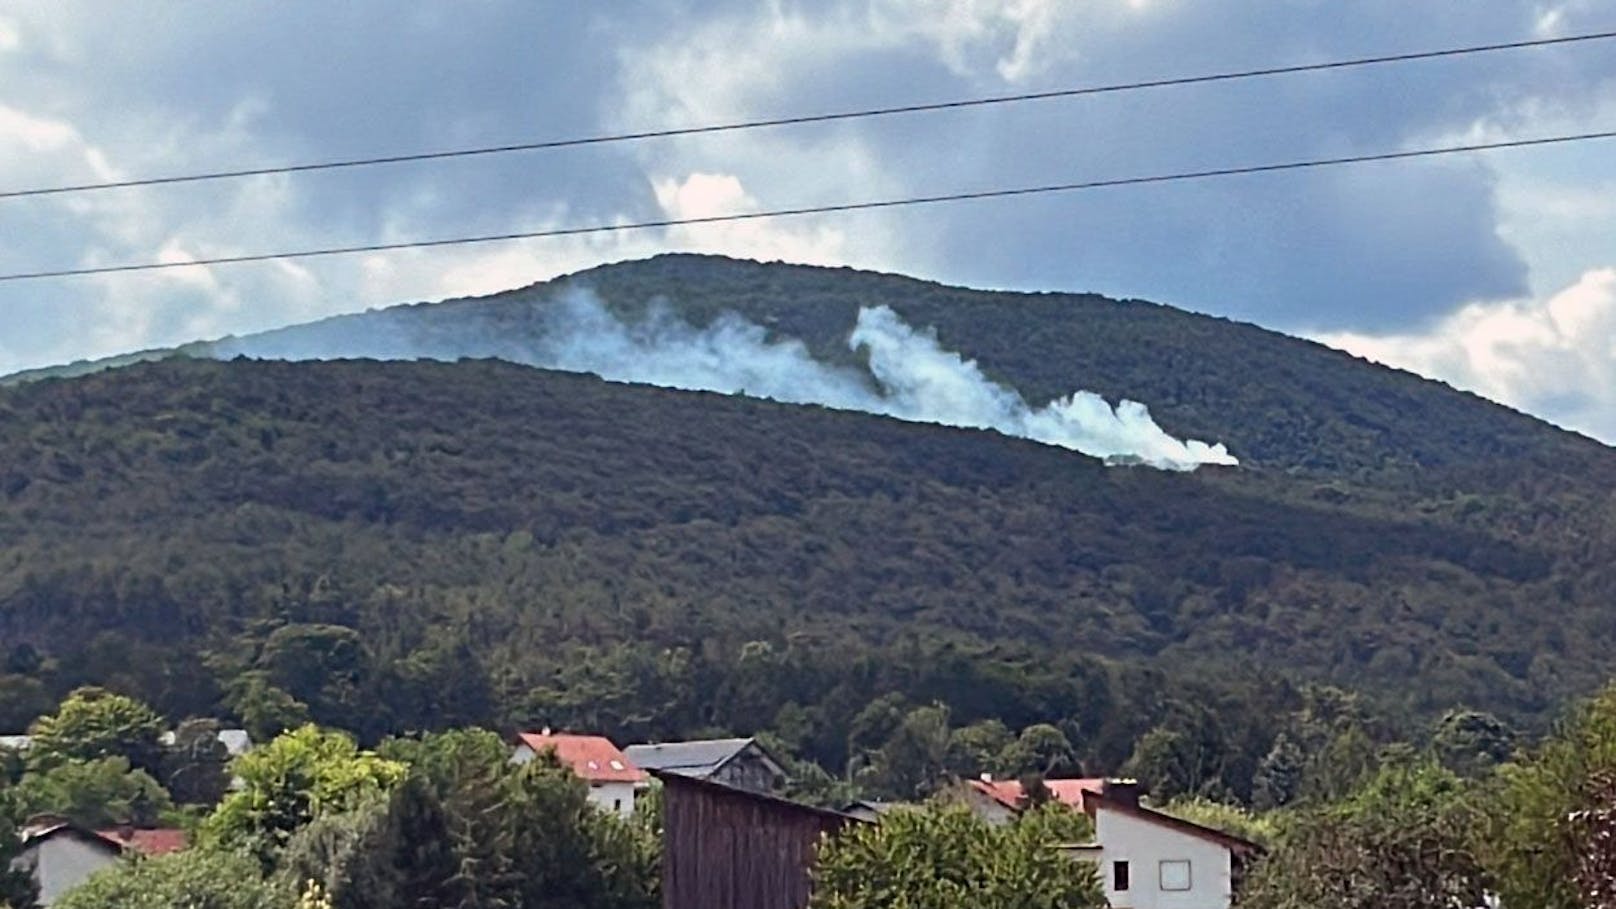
[{"x": 729, "y": 848}]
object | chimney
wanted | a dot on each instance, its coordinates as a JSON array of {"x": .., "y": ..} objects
[
  {"x": 987, "y": 777},
  {"x": 1121, "y": 792}
]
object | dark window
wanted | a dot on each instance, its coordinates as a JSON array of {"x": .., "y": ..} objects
[
  {"x": 617, "y": 805},
  {"x": 1119, "y": 876}
]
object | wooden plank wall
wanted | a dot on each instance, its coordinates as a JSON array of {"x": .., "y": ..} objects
[{"x": 727, "y": 849}]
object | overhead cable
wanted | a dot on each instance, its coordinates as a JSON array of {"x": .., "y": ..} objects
[
  {"x": 611, "y": 138},
  {"x": 827, "y": 209}
]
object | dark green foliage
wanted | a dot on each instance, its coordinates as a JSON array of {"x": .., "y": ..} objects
[
  {"x": 194, "y": 879},
  {"x": 1279, "y": 777},
  {"x": 512, "y": 835},
  {"x": 194, "y": 765},
  {"x": 92, "y": 724},
  {"x": 945, "y": 856},
  {"x": 17, "y": 887},
  {"x": 1531, "y": 842},
  {"x": 410, "y": 546},
  {"x": 1470, "y": 742},
  {"x": 99, "y": 793},
  {"x": 1403, "y": 841}
]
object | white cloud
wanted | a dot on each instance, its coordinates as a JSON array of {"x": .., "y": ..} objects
[
  {"x": 1555, "y": 357},
  {"x": 10, "y": 39}
]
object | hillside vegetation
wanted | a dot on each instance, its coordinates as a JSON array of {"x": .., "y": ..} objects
[{"x": 387, "y": 546}]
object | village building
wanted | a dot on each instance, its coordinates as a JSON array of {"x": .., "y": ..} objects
[
  {"x": 612, "y": 778},
  {"x": 61, "y": 855},
  {"x": 740, "y": 762},
  {"x": 1146, "y": 859},
  {"x": 725, "y": 847}
]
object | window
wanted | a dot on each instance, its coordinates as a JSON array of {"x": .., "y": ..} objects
[
  {"x": 1119, "y": 876},
  {"x": 617, "y": 805},
  {"x": 1175, "y": 874}
]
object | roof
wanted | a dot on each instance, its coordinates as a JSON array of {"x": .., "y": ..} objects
[
  {"x": 17, "y": 742},
  {"x": 591, "y": 757},
  {"x": 35, "y": 836},
  {"x": 144, "y": 840},
  {"x": 1235, "y": 844},
  {"x": 149, "y": 842},
  {"x": 1068, "y": 792},
  {"x": 682, "y": 780},
  {"x": 697, "y": 758}
]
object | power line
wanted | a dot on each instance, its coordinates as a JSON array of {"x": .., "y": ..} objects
[
  {"x": 612, "y": 138},
  {"x": 826, "y": 209}
]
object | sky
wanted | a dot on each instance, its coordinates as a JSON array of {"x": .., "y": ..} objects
[{"x": 1494, "y": 272}]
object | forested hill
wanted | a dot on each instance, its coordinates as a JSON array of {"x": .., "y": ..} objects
[
  {"x": 1277, "y": 401},
  {"x": 484, "y": 542}
]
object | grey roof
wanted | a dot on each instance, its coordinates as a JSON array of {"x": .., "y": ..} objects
[
  {"x": 17, "y": 742},
  {"x": 700, "y": 759}
]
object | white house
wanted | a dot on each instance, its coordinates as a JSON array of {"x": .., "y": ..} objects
[
  {"x": 612, "y": 778},
  {"x": 1151, "y": 860}
]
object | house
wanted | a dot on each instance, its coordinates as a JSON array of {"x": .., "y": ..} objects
[
  {"x": 742, "y": 763},
  {"x": 236, "y": 742},
  {"x": 724, "y": 847},
  {"x": 61, "y": 855},
  {"x": 868, "y": 810},
  {"x": 1148, "y": 859},
  {"x": 18, "y": 743},
  {"x": 612, "y": 778},
  {"x": 998, "y": 801}
]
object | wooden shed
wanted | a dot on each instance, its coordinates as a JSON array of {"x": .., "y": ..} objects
[{"x": 728, "y": 848}]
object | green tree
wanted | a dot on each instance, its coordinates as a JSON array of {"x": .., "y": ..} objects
[
  {"x": 1233, "y": 819},
  {"x": 98, "y": 793},
  {"x": 1278, "y": 778},
  {"x": 323, "y": 666},
  {"x": 290, "y": 781},
  {"x": 265, "y": 710},
  {"x": 192, "y": 879},
  {"x": 570, "y": 855},
  {"x": 1528, "y": 841},
  {"x": 384, "y": 854},
  {"x": 194, "y": 764},
  {"x": 22, "y": 700},
  {"x": 946, "y": 857},
  {"x": 1402, "y": 841},
  {"x": 95, "y": 723},
  {"x": 1042, "y": 749},
  {"x": 913, "y": 762},
  {"x": 979, "y": 748},
  {"x": 17, "y": 887},
  {"x": 1471, "y": 743}
]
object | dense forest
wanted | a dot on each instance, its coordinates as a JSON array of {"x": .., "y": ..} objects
[{"x": 398, "y": 546}]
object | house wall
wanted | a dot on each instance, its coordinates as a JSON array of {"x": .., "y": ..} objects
[
  {"x": 62, "y": 862},
  {"x": 748, "y": 770},
  {"x": 617, "y": 798},
  {"x": 1144, "y": 845},
  {"x": 726, "y": 850}
]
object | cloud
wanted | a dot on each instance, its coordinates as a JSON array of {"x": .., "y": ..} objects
[
  {"x": 1376, "y": 250},
  {"x": 10, "y": 38},
  {"x": 1555, "y": 357}
]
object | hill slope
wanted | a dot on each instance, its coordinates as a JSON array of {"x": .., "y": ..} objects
[
  {"x": 177, "y": 507},
  {"x": 408, "y": 544}
]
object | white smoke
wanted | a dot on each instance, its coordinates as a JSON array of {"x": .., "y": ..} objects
[{"x": 911, "y": 377}]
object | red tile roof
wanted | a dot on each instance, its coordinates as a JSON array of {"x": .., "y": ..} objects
[
  {"x": 156, "y": 841},
  {"x": 593, "y": 758},
  {"x": 1068, "y": 792}
]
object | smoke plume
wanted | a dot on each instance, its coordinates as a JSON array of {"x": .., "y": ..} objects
[{"x": 910, "y": 376}]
